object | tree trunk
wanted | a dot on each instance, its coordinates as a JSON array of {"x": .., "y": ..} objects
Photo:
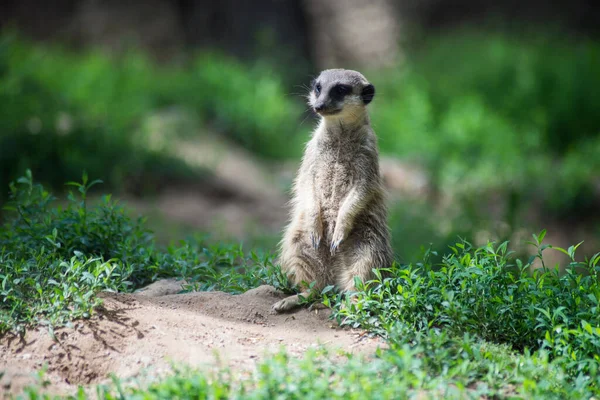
[{"x": 354, "y": 33}]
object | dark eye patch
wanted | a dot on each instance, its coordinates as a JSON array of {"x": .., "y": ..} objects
[{"x": 339, "y": 91}]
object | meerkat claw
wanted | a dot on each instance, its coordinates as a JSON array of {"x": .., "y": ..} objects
[
  {"x": 316, "y": 240},
  {"x": 334, "y": 246}
]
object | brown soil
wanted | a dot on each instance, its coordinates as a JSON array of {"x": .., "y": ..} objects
[{"x": 144, "y": 332}]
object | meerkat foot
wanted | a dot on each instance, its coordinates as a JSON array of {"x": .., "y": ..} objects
[{"x": 287, "y": 304}]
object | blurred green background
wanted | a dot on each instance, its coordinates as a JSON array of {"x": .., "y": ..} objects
[{"x": 192, "y": 112}]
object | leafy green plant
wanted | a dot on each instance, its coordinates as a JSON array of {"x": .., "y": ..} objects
[
  {"x": 56, "y": 259},
  {"x": 480, "y": 323},
  {"x": 424, "y": 365},
  {"x": 485, "y": 292},
  {"x": 222, "y": 267}
]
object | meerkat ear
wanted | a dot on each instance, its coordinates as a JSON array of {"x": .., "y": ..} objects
[{"x": 368, "y": 93}]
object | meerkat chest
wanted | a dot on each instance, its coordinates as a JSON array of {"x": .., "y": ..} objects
[{"x": 334, "y": 173}]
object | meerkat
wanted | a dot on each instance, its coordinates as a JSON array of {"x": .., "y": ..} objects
[{"x": 338, "y": 227}]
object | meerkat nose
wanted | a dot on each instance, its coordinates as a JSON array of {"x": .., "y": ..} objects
[{"x": 319, "y": 107}]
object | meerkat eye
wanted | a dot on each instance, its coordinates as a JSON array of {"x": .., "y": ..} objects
[
  {"x": 318, "y": 89},
  {"x": 342, "y": 90}
]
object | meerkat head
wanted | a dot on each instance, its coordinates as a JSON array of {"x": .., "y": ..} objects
[{"x": 340, "y": 93}]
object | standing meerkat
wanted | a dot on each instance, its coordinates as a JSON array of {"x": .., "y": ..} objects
[{"x": 338, "y": 227}]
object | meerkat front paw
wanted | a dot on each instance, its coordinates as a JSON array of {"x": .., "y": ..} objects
[
  {"x": 315, "y": 239},
  {"x": 316, "y": 231},
  {"x": 339, "y": 234}
]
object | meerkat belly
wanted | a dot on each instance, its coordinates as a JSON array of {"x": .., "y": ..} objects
[{"x": 334, "y": 181}]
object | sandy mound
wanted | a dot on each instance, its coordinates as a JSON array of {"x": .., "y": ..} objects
[{"x": 150, "y": 329}]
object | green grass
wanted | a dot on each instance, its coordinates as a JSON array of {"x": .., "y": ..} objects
[
  {"x": 433, "y": 366},
  {"x": 424, "y": 365},
  {"x": 56, "y": 259},
  {"x": 479, "y": 323},
  {"x": 486, "y": 292}
]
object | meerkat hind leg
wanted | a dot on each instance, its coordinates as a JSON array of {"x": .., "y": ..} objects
[
  {"x": 300, "y": 269},
  {"x": 360, "y": 265},
  {"x": 300, "y": 272}
]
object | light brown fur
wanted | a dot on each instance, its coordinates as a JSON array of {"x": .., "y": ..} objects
[{"x": 338, "y": 227}]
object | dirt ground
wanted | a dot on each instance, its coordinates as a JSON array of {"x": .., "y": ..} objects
[{"x": 145, "y": 332}]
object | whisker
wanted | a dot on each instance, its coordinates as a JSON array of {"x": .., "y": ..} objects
[
  {"x": 308, "y": 114},
  {"x": 302, "y": 86},
  {"x": 297, "y": 94}
]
